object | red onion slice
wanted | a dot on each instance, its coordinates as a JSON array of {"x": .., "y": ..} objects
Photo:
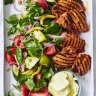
[
  {"x": 16, "y": 5},
  {"x": 48, "y": 44},
  {"x": 54, "y": 36}
]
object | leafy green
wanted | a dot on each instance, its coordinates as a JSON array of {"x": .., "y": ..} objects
[
  {"x": 18, "y": 24},
  {"x": 6, "y": 2},
  {"x": 57, "y": 41},
  {"x": 22, "y": 79},
  {"x": 30, "y": 84},
  {"x": 34, "y": 46},
  {"x": 19, "y": 56},
  {"x": 27, "y": 1},
  {"x": 47, "y": 73},
  {"x": 12, "y": 30},
  {"x": 47, "y": 21},
  {"x": 10, "y": 93},
  {"x": 35, "y": 10},
  {"x": 53, "y": 29},
  {"x": 13, "y": 19},
  {"x": 16, "y": 87}
]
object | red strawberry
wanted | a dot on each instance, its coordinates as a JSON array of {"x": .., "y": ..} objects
[
  {"x": 42, "y": 92},
  {"x": 24, "y": 90},
  {"x": 42, "y": 3},
  {"x": 18, "y": 41},
  {"x": 49, "y": 51},
  {"x": 10, "y": 57}
]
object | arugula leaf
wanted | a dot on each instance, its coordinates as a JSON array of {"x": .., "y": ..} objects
[
  {"x": 10, "y": 93},
  {"x": 13, "y": 19},
  {"x": 6, "y": 2},
  {"x": 34, "y": 46},
  {"x": 30, "y": 84},
  {"x": 19, "y": 55}
]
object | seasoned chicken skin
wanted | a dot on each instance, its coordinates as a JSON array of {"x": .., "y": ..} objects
[
  {"x": 82, "y": 64},
  {"x": 73, "y": 40},
  {"x": 70, "y": 14},
  {"x": 65, "y": 59}
]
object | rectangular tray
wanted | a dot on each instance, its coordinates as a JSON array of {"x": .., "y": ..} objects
[{"x": 87, "y": 81}]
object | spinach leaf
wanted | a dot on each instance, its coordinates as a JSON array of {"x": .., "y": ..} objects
[
  {"x": 10, "y": 93},
  {"x": 34, "y": 47},
  {"x": 19, "y": 56},
  {"x": 13, "y": 19},
  {"x": 6, "y": 2},
  {"x": 30, "y": 84},
  {"x": 53, "y": 29}
]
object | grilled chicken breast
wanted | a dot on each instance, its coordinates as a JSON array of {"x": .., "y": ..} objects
[
  {"x": 82, "y": 64},
  {"x": 73, "y": 20},
  {"x": 65, "y": 59},
  {"x": 70, "y": 14},
  {"x": 73, "y": 40},
  {"x": 76, "y": 4}
]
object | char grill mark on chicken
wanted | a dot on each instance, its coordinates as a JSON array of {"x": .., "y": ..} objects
[
  {"x": 77, "y": 4},
  {"x": 73, "y": 40},
  {"x": 70, "y": 14},
  {"x": 65, "y": 59},
  {"x": 82, "y": 64},
  {"x": 73, "y": 20}
]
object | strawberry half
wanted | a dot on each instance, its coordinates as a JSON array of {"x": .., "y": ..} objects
[
  {"x": 42, "y": 92},
  {"x": 24, "y": 90},
  {"x": 50, "y": 51}
]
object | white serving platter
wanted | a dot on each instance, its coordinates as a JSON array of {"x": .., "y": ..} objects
[{"x": 87, "y": 81}]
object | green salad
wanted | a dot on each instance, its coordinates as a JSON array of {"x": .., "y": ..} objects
[{"x": 37, "y": 39}]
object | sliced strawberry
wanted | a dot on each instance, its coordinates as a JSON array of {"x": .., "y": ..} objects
[
  {"x": 37, "y": 77},
  {"x": 18, "y": 41},
  {"x": 42, "y": 3},
  {"x": 50, "y": 51},
  {"x": 42, "y": 92},
  {"x": 10, "y": 57},
  {"x": 24, "y": 90},
  {"x": 13, "y": 50}
]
